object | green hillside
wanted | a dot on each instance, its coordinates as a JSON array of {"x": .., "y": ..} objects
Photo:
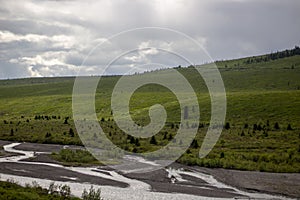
[{"x": 263, "y": 113}]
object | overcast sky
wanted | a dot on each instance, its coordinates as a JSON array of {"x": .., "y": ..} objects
[{"x": 52, "y": 38}]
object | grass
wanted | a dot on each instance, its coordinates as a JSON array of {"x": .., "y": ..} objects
[
  {"x": 12, "y": 191},
  {"x": 78, "y": 157},
  {"x": 260, "y": 94}
]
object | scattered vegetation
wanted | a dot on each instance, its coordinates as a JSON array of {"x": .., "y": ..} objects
[
  {"x": 262, "y": 129},
  {"x": 92, "y": 194},
  {"x": 11, "y": 190},
  {"x": 76, "y": 157}
]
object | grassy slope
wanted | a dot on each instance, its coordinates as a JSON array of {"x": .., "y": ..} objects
[{"x": 257, "y": 93}]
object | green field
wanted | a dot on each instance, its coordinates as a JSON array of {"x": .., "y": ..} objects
[{"x": 263, "y": 114}]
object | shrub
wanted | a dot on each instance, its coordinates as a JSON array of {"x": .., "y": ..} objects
[
  {"x": 222, "y": 155},
  {"x": 153, "y": 140},
  {"x": 276, "y": 126},
  {"x": 289, "y": 127},
  {"x": 195, "y": 144},
  {"x": 92, "y": 194},
  {"x": 64, "y": 191},
  {"x": 227, "y": 126},
  {"x": 71, "y": 132},
  {"x": 74, "y": 156}
]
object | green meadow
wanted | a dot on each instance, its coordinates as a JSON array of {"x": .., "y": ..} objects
[{"x": 262, "y": 130}]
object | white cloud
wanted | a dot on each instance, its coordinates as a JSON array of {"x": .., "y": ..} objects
[
  {"x": 6, "y": 36},
  {"x": 57, "y": 40},
  {"x": 47, "y": 38}
]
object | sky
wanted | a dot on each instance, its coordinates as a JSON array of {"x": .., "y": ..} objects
[{"x": 70, "y": 37}]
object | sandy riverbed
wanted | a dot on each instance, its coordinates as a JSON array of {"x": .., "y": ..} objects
[{"x": 271, "y": 183}]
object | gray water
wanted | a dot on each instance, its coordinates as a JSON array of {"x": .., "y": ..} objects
[{"x": 137, "y": 190}]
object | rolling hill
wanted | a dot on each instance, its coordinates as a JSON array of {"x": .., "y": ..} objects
[{"x": 263, "y": 113}]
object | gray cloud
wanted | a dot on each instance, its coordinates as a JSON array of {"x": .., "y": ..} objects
[{"x": 52, "y": 38}]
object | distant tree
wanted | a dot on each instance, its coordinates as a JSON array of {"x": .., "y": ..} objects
[
  {"x": 201, "y": 125},
  {"x": 276, "y": 126},
  {"x": 254, "y": 127},
  {"x": 137, "y": 142},
  {"x": 66, "y": 120},
  {"x": 222, "y": 142},
  {"x": 293, "y": 67},
  {"x": 242, "y": 134},
  {"x": 227, "y": 126},
  {"x": 134, "y": 150},
  {"x": 289, "y": 127},
  {"x": 246, "y": 125},
  {"x": 71, "y": 132},
  {"x": 222, "y": 155},
  {"x": 170, "y": 137},
  {"x": 53, "y": 189},
  {"x": 48, "y": 135},
  {"x": 259, "y": 128},
  {"x": 11, "y": 132},
  {"x": 153, "y": 140},
  {"x": 132, "y": 140},
  {"x": 195, "y": 144},
  {"x": 266, "y": 133},
  {"x": 65, "y": 191},
  {"x": 165, "y": 135},
  {"x": 92, "y": 194},
  {"x": 172, "y": 125}
]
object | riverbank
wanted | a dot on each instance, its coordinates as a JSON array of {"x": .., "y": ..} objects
[
  {"x": 191, "y": 180},
  {"x": 280, "y": 184},
  {"x": 286, "y": 184}
]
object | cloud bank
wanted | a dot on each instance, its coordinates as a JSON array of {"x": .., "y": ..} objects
[{"x": 53, "y": 38}]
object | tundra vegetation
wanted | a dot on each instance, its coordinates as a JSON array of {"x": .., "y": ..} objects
[{"x": 262, "y": 129}]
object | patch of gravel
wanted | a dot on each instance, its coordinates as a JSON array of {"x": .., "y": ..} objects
[
  {"x": 285, "y": 184},
  {"x": 55, "y": 174},
  {"x": 160, "y": 182}
]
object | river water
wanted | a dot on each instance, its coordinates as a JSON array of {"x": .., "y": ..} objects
[{"x": 137, "y": 190}]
